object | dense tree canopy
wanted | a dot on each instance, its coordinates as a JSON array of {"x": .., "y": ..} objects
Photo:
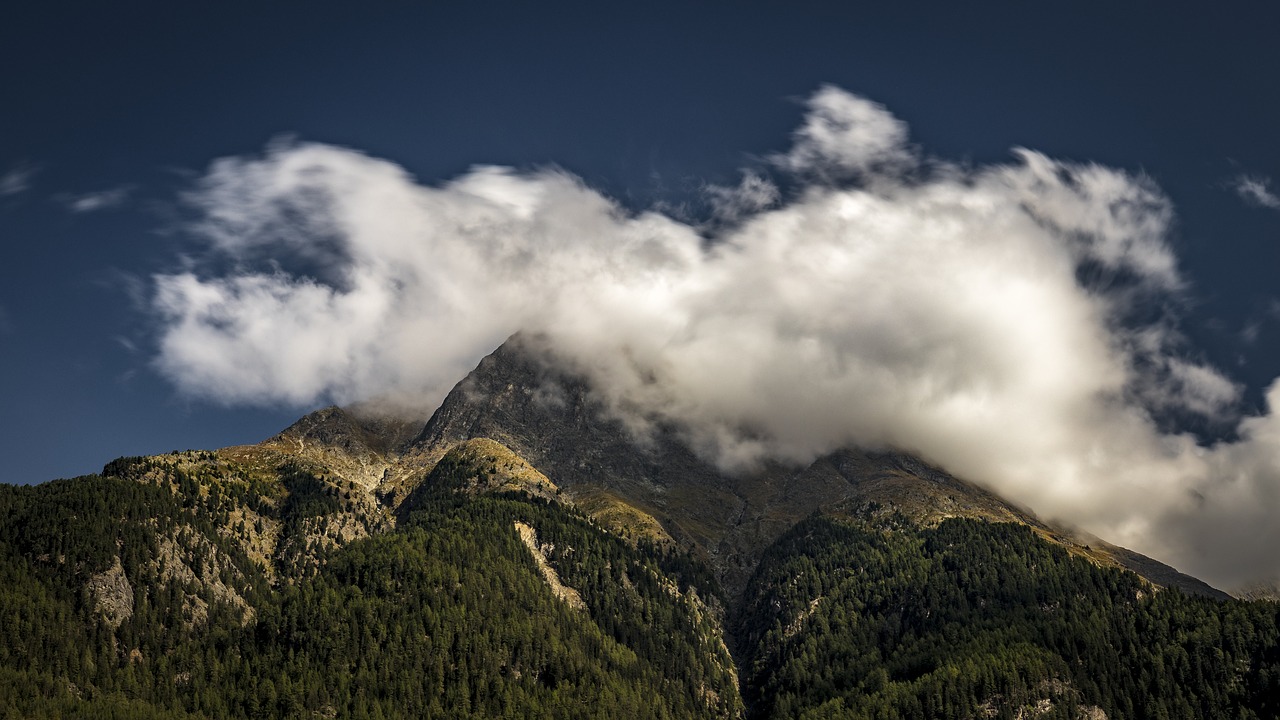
[
  {"x": 857, "y": 619},
  {"x": 446, "y": 617},
  {"x": 190, "y": 586}
]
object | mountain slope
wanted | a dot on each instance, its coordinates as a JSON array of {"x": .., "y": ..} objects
[
  {"x": 522, "y": 399},
  {"x": 522, "y": 554},
  {"x": 448, "y": 615},
  {"x": 880, "y": 617}
]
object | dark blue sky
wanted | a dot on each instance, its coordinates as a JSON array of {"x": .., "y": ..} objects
[{"x": 109, "y": 110}]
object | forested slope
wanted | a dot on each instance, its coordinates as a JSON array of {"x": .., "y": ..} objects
[
  {"x": 522, "y": 557},
  {"x": 136, "y": 597},
  {"x": 876, "y": 617}
]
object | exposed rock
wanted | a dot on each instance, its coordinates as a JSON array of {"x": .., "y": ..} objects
[
  {"x": 111, "y": 594},
  {"x": 361, "y": 448},
  {"x": 1048, "y": 695},
  {"x": 200, "y": 567},
  {"x": 529, "y": 537}
]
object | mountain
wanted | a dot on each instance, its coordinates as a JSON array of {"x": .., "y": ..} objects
[
  {"x": 522, "y": 399},
  {"x": 521, "y": 554}
]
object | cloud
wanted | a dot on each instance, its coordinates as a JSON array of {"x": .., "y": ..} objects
[
  {"x": 1249, "y": 334},
  {"x": 16, "y": 180},
  {"x": 845, "y": 135},
  {"x": 981, "y": 317},
  {"x": 95, "y": 201},
  {"x": 753, "y": 194},
  {"x": 1256, "y": 190}
]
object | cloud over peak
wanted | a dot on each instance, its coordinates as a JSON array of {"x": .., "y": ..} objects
[{"x": 980, "y": 317}]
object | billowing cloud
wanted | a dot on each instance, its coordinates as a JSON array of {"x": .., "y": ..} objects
[
  {"x": 1256, "y": 190},
  {"x": 980, "y": 317},
  {"x": 95, "y": 201}
]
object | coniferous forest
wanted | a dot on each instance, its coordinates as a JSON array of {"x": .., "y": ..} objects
[
  {"x": 973, "y": 619},
  {"x": 146, "y": 592},
  {"x": 445, "y": 617}
]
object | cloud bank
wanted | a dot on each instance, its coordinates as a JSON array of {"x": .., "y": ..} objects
[{"x": 981, "y": 317}]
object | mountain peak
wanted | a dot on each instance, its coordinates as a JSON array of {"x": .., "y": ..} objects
[
  {"x": 355, "y": 430},
  {"x": 521, "y": 397}
]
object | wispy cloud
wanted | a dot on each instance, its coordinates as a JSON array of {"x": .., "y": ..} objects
[
  {"x": 1249, "y": 334},
  {"x": 16, "y": 180},
  {"x": 753, "y": 194},
  {"x": 95, "y": 201},
  {"x": 1256, "y": 190},
  {"x": 888, "y": 300}
]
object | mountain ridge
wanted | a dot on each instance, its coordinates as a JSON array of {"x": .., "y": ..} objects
[
  {"x": 517, "y": 397},
  {"x": 520, "y": 552}
]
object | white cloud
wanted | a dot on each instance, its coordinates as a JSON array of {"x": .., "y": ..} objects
[
  {"x": 1199, "y": 388},
  {"x": 846, "y": 135},
  {"x": 95, "y": 201},
  {"x": 1256, "y": 190},
  {"x": 945, "y": 314}
]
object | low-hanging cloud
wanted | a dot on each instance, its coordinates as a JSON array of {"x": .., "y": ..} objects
[{"x": 981, "y": 317}]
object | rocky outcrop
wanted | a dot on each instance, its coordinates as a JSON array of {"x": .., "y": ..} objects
[
  {"x": 529, "y": 537},
  {"x": 190, "y": 561},
  {"x": 362, "y": 448},
  {"x": 111, "y": 594}
]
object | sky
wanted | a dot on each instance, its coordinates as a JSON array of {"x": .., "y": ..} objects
[{"x": 1033, "y": 243}]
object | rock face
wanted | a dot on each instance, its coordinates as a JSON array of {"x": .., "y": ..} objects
[
  {"x": 111, "y": 595},
  {"x": 529, "y": 537},
  {"x": 362, "y": 448}
]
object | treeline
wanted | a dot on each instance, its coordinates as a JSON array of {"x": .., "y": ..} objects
[{"x": 850, "y": 619}]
